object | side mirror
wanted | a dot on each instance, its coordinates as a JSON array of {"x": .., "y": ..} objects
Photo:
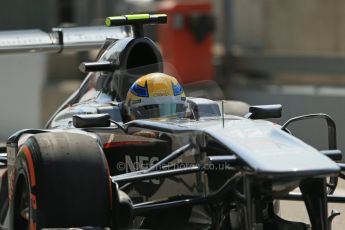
[
  {"x": 265, "y": 111},
  {"x": 91, "y": 120}
]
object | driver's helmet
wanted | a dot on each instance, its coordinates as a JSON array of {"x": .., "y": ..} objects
[{"x": 155, "y": 95}]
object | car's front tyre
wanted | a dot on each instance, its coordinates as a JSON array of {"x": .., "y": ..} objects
[{"x": 61, "y": 180}]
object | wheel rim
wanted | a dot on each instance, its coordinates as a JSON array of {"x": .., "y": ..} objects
[{"x": 21, "y": 212}]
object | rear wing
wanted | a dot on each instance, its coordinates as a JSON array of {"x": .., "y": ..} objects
[
  {"x": 59, "y": 39},
  {"x": 76, "y": 38}
]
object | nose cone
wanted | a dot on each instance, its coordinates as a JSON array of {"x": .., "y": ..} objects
[{"x": 270, "y": 151}]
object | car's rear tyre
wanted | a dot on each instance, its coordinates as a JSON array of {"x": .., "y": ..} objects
[{"x": 62, "y": 180}]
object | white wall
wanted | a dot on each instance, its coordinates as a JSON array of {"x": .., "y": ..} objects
[
  {"x": 21, "y": 80},
  {"x": 285, "y": 25}
]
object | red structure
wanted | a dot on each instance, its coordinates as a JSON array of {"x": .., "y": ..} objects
[{"x": 186, "y": 40}]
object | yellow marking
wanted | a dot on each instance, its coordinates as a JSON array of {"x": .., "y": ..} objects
[
  {"x": 159, "y": 15},
  {"x": 109, "y": 19},
  {"x": 137, "y": 16}
]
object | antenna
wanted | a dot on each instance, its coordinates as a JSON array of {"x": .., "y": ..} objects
[{"x": 223, "y": 112}]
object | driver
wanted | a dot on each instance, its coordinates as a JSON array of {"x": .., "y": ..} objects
[{"x": 155, "y": 95}]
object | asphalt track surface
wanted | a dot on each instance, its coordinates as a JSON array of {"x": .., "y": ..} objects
[{"x": 294, "y": 210}]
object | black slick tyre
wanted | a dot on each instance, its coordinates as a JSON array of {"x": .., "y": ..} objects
[{"x": 61, "y": 181}]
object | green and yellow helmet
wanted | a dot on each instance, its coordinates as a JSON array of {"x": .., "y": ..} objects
[{"x": 155, "y": 95}]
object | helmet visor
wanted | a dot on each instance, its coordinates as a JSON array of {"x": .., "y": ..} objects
[{"x": 172, "y": 110}]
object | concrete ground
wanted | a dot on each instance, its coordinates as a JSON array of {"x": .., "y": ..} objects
[{"x": 294, "y": 210}]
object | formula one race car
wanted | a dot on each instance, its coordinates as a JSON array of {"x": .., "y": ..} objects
[{"x": 186, "y": 165}]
